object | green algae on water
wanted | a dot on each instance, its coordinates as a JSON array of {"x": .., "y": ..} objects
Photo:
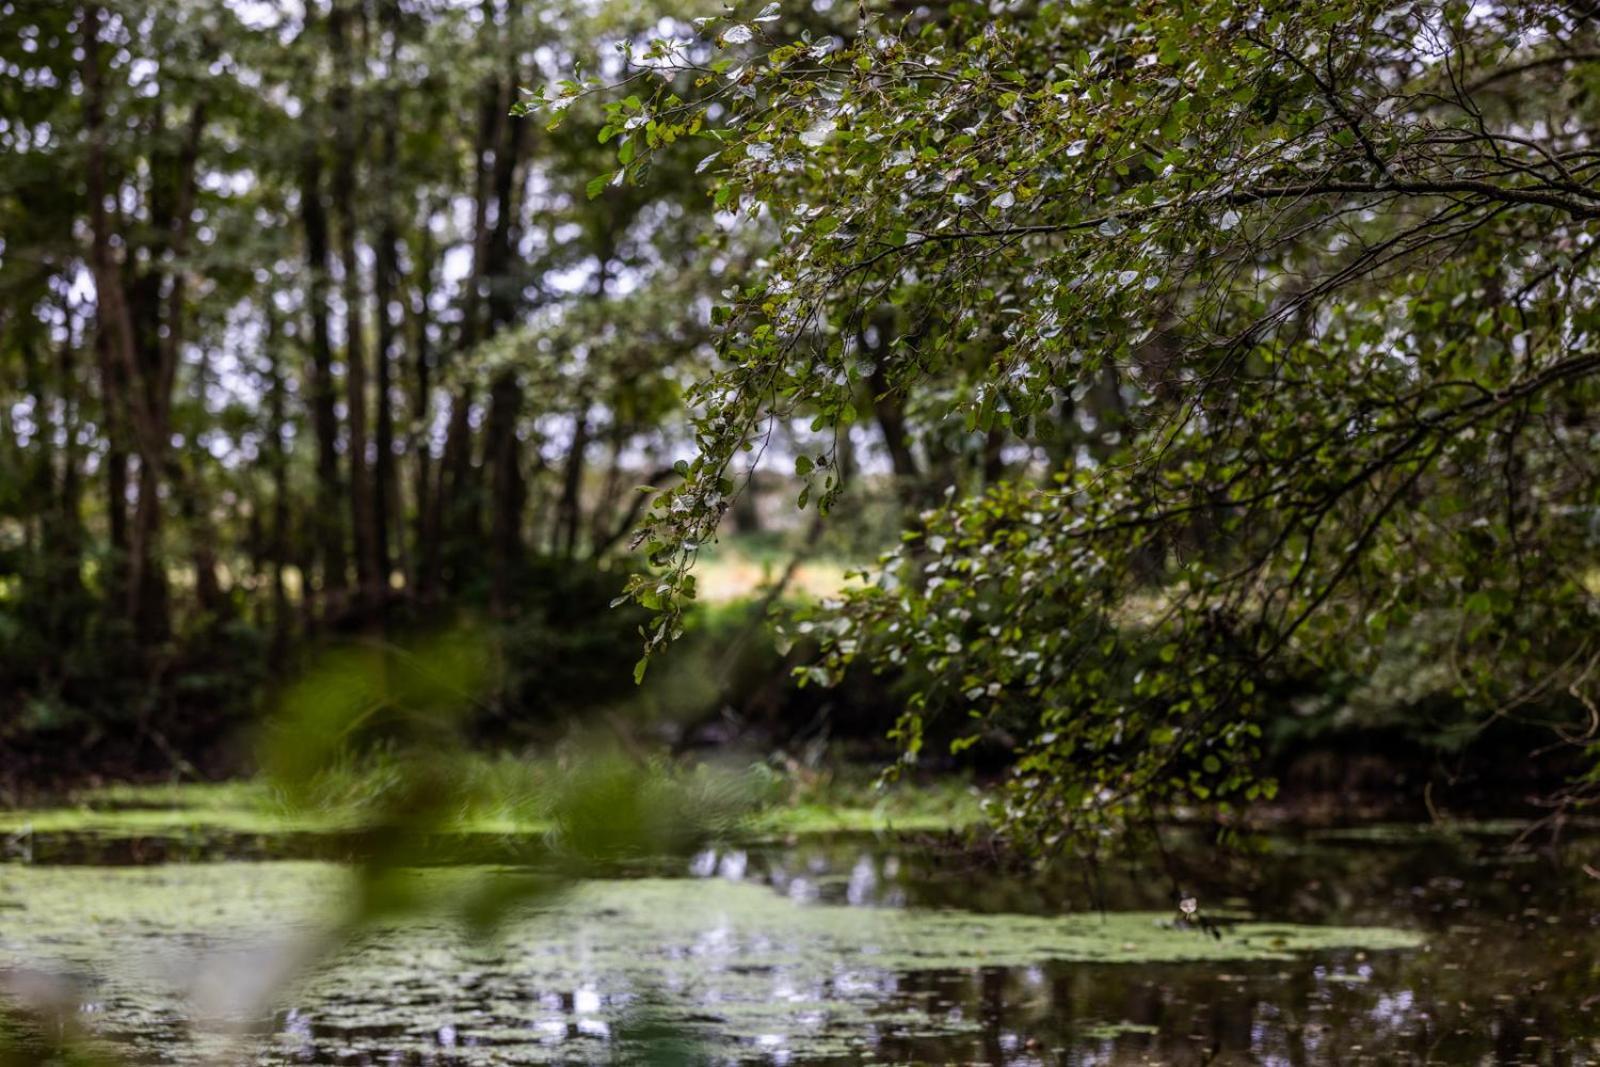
[
  {"x": 253, "y": 808},
  {"x": 734, "y": 966},
  {"x": 1108, "y": 1031},
  {"x": 166, "y": 809}
]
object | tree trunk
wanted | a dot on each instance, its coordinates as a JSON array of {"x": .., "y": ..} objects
[
  {"x": 278, "y": 533},
  {"x": 611, "y": 488},
  {"x": 385, "y": 283},
  {"x": 69, "y": 532},
  {"x": 195, "y": 510},
  {"x": 147, "y": 588},
  {"x": 994, "y": 457},
  {"x": 324, "y": 418},
  {"x": 128, "y": 387},
  {"x": 453, "y": 517},
  {"x": 892, "y": 424},
  {"x": 569, "y": 509},
  {"x": 422, "y": 409},
  {"x": 383, "y": 474},
  {"x": 453, "y": 512},
  {"x": 508, "y": 492},
  {"x": 113, "y": 407},
  {"x": 370, "y": 580}
]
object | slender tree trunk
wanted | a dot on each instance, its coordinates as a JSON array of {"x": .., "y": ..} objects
[
  {"x": 175, "y": 217},
  {"x": 569, "y": 509},
  {"x": 383, "y": 474},
  {"x": 51, "y": 495},
  {"x": 278, "y": 463},
  {"x": 128, "y": 387},
  {"x": 69, "y": 506},
  {"x": 113, "y": 407},
  {"x": 453, "y": 510},
  {"x": 114, "y": 339},
  {"x": 611, "y": 488},
  {"x": 508, "y": 491},
  {"x": 36, "y": 460},
  {"x": 384, "y": 290},
  {"x": 994, "y": 458},
  {"x": 195, "y": 509},
  {"x": 370, "y": 579},
  {"x": 147, "y": 589},
  {"x": 503, "y": 296},
  {"x": 305, "y": 563},
  {"x": 491, "y": 119},
  {"x": 324, "y": 417},
  {"x": 422, "y": 411}
]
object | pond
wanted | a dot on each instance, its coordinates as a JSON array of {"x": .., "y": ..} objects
[{"x": 1372, "y": 945}]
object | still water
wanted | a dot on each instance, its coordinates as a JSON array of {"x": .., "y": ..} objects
[{"x": 1374, "y": 945}]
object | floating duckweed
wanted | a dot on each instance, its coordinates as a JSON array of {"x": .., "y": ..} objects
[{"x": 733, "y": 966}]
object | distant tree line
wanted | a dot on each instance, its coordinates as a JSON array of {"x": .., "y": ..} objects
[
  {"x": 305, "y": 337},
  {"x": 303, "y": 334}
]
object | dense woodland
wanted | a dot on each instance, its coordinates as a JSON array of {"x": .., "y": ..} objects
[
  {"x": 1229, "y": 372},
  {"x": 309, "y": 339},
  {"x": 799, "y": 531},
  {"x": 305, "y": 336}
]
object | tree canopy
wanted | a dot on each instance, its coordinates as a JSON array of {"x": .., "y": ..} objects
[
  {"x": 1286, "y": 313},
  {"x": 1224, "y": 370}
]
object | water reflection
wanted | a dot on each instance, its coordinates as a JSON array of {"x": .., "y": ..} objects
[{"x": 722, "y": 959}]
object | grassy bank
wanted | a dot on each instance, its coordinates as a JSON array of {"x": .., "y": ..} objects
[{"x": 500, "y": 795}]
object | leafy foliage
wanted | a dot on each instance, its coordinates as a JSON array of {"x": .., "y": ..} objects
[{"x": 1316, "y": 280}]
